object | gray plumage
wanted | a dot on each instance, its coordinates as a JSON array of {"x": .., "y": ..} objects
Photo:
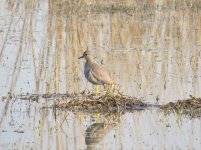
[{"x": 95, "y": 73}]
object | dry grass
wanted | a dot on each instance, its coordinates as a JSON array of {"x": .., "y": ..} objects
[
  {"x": 109, "y": 102},
  {"x": 190, "y": 107}
]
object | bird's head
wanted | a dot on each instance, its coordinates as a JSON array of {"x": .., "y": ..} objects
[{"x": 87, "y": 55}]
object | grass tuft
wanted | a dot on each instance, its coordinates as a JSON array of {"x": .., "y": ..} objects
[
  {"x": 190, "y": 107},
  {"x": 109, "y": 102}
]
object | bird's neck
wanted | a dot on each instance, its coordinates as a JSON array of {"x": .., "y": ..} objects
[{"x": 89, "y": 60}]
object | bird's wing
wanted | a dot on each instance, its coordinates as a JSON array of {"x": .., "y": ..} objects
[{"x": 100, "y": 74}]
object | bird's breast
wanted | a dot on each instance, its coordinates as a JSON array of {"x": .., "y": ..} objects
[{"x": 86, "y": 71}]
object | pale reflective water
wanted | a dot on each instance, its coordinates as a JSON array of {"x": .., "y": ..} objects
[{"x": 151, "y": 48}]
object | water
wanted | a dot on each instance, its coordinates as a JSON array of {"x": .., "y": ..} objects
[{"x": 152, "y": 49}]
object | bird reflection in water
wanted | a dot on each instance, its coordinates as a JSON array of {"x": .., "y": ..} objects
[{"x": 96, "y": 132}]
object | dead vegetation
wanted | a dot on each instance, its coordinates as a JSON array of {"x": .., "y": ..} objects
[
  {"x": 190, "y": 107},
  {"x": 109, "y": 102},
  {"x": 118, "y": 102}
]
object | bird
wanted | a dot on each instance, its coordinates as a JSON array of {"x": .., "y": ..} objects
[{"x": 95, "y": 73}]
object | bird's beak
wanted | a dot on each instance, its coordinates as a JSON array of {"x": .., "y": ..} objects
[{"x": 80, "y": 57}]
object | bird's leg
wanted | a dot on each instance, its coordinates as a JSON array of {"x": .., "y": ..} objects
[
  {"x": 97, "y": 117},
  {"x": 112, "y": 87},
  {"x": 96, "y": 90},
  {"x": 105, "y": 89}
]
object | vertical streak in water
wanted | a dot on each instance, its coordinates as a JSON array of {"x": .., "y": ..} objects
[
  {"x": 9, "y": 28},
  {"x": 16, "y": 71},
  {"x": 59, "y": 45}
]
